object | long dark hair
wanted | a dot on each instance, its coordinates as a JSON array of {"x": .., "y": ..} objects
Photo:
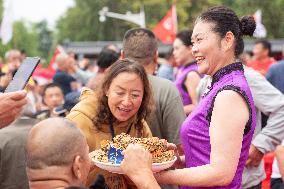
[{"x": 103, "y": 112}]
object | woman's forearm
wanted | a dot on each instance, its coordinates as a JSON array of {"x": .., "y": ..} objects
[
  {"x": 145, "y": 180},
  {"x": 279, "y": 152},
  {"x": 202, "y": 176}
]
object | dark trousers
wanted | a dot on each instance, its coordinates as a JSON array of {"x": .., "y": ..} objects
[
  {"x": 276, "y": 183},
  {"x": 255, "y": 187}
]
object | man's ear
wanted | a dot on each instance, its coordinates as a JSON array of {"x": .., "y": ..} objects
[
  {"x": 77, "y": 167},
  {"x": 122, "y": 55}
]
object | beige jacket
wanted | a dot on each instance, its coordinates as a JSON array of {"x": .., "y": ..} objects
[{"x": 82, "y": 114}]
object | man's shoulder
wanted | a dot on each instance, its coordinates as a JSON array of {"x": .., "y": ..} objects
[
  {"x": 277, "y": 65},
  {"x": 61, "y": 74},
  {"x": 16, "y": 131},
  {"x": 163, "y": 87},
  {"x": 161, "y": 83},
  {"x": 251, "y": 74}
]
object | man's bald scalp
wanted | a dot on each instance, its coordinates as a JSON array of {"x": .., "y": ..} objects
[{"x": 54, "y": 142}]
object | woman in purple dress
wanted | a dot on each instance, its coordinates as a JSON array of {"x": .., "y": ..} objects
[
  {"x": 216, "y": 136},
  {"x": 187, "y": 78}
]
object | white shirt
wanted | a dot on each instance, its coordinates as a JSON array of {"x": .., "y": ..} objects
[{"x": 275, "y": 169}]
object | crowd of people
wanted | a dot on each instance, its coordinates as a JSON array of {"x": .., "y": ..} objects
[{"x": 220, "y": 109}]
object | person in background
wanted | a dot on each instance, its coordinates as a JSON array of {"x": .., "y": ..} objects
[
  {"x": 70, "y": 100},
  {"x": 187, "y": 78},
  {"x": 35, "y": 93},
  {"x": 166, "y": 68},
  {"x": 13, "y": 61},
  {"x": 105, "y": 59},
  {"x": 277, "y": 177},
  {"x": 5, "y": 79},
  {"x": 84, "y": 64},
  {"x": 82, "y": 76},
  {"x": 52, "y": 97},
  {"x": 275, "y": 74},
  {"x": 112, "y": 46},
  {"x": 119, "y": 105},
  {"x": 217, "y": 135},
  {"x": 261, "y": 57},
  {"x": 57, "y": 155},
  {"x": 23, "y": 54},
  {"x": 62, "y": 77},
  {"x": 12, "y": 154}
]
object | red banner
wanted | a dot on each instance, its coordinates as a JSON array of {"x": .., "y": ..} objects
[{"x": 166, "y": 29}]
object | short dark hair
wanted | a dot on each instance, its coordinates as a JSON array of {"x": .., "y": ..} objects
[
  {"x": 106, "y": 58},
  {"x": 185, "y": 37},
  {"x": 51, "y": 85},
  {"x": 225, "y": 20},
  {"x": 265, "y": 44},
  {"x": 140, "y": 44}
]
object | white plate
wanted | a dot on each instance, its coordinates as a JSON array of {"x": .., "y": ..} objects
[{"x": 115, "y": 168}]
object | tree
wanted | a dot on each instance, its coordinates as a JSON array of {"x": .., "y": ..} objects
[
  {"x": 45, "y": 39},
  {"x": 81, "y": 22},
  {"x": 272, "y": 14},
  {"x": 23, "y": 39}
]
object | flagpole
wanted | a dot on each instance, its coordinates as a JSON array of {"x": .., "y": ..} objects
[{"x": 138, "y": 19}]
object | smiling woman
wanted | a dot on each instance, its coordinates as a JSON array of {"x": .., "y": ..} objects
[
  {"x": 119, "y": 105},
  {"x": 217, "y": 135}
]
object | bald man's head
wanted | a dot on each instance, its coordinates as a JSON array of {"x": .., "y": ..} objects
[
  {"x": 62, "y": 61},
  {"x": 54, "y": 142}
]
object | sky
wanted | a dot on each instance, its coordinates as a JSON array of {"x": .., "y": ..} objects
[{"x": 37, "y": 10}]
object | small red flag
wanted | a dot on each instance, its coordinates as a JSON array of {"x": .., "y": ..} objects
[
  {"x": 52, "y": 65},
  {"x": 166, "y": 29},
  {"x": 48, "y": 73}
]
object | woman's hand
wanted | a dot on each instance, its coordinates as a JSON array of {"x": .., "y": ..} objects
[{"x": 180, "y": 162}]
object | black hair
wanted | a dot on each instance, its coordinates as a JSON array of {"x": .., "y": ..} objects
[
  {"x": 50, "y": 85},
  {"x": 106, "y": 58},
  {"x": 265, "y": 44},
  {"x": 225, "y": 20},
  {"x": 185, "y": 37},
  {"x": 134, "y": 31}
]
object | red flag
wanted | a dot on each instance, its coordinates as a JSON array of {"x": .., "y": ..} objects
[
  {"x": 52, "y": 65},
  {"x": 48, "y": 73},
  {"x": 166, "y": 29}
]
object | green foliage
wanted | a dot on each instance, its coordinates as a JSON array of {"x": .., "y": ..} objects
[
  {"x": 23, "y": 38},
  {"x": 81, "y": 22},
  {"x": 35, "y": 39},
  {"x": 45, "y": 38},
  {"x": 272, "y": 14}
]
